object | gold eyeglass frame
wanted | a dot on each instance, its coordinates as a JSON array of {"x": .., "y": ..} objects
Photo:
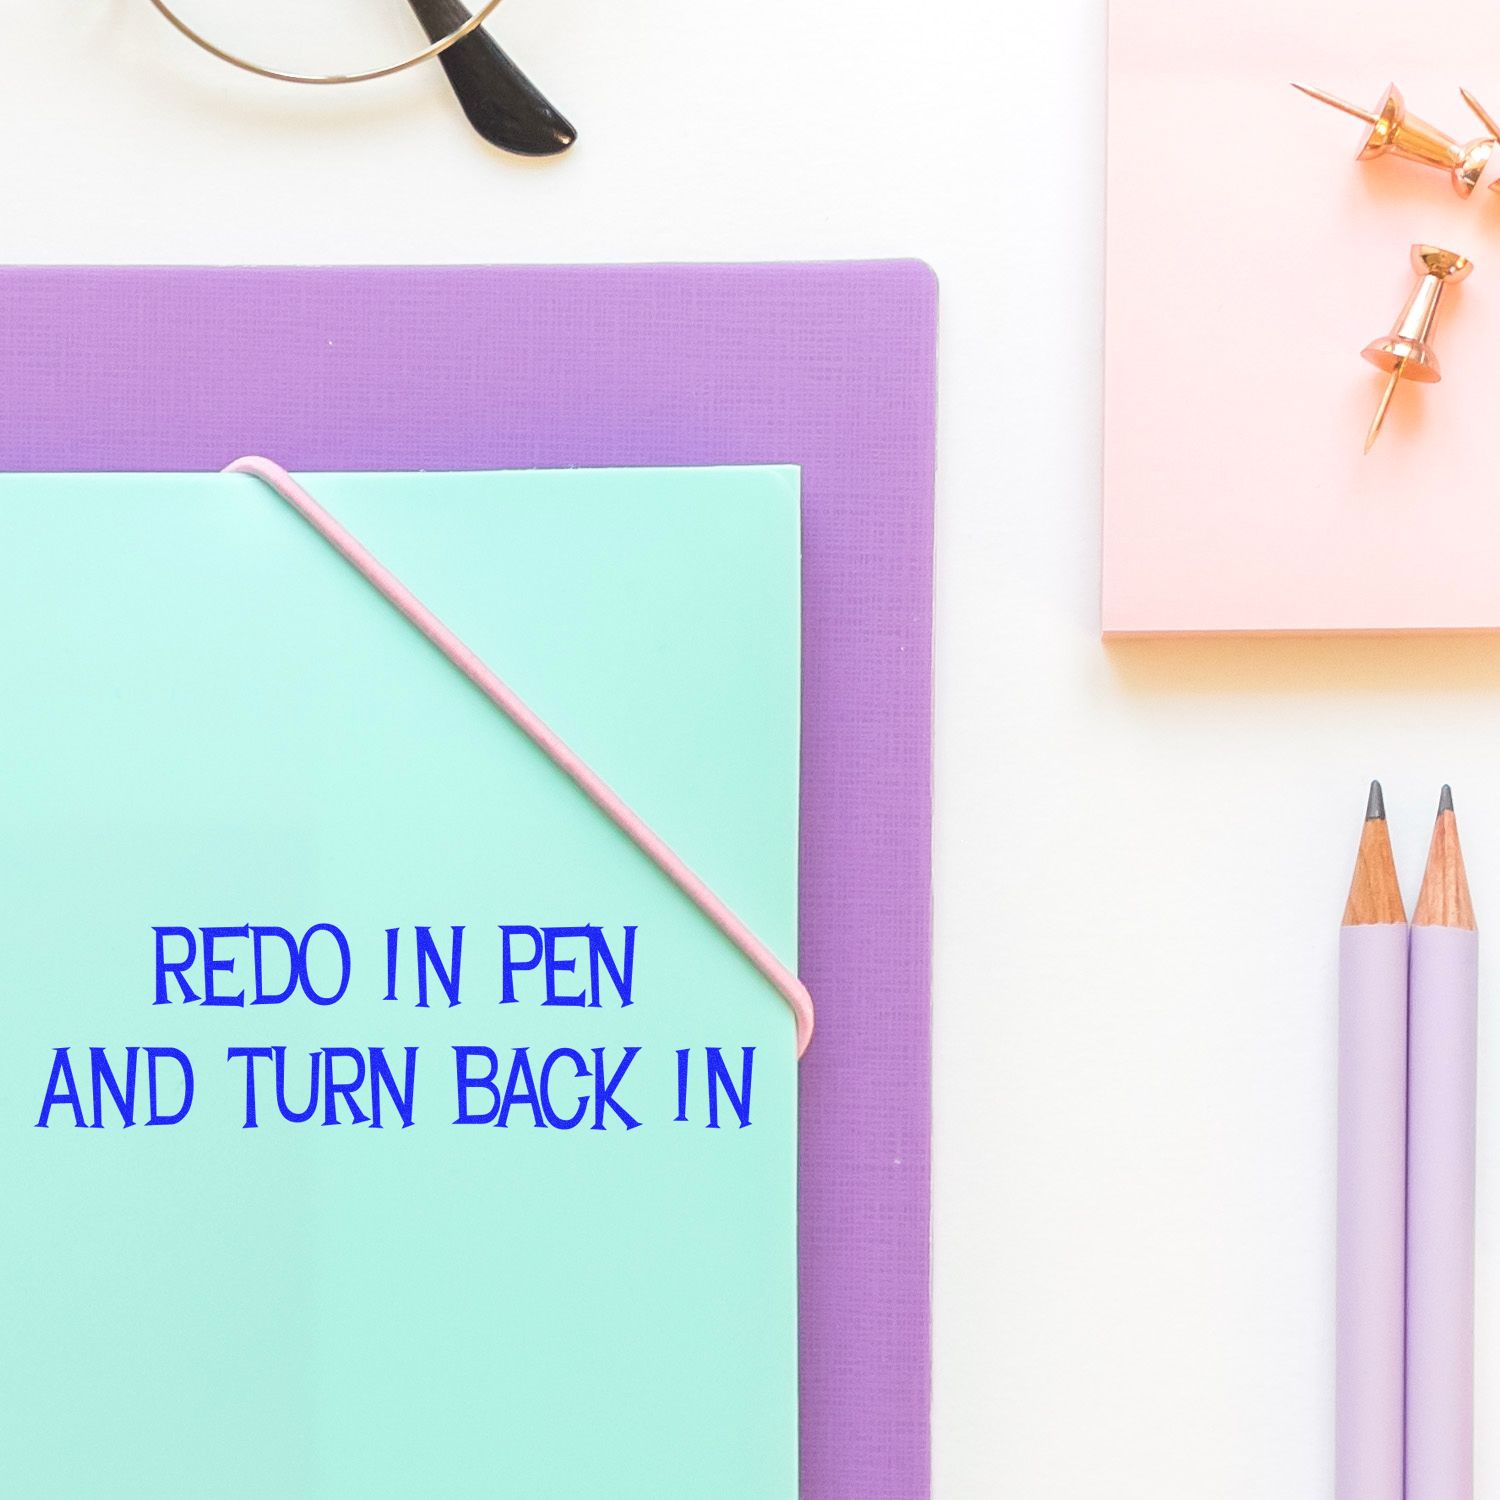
[{"x": 481, "y": 14}]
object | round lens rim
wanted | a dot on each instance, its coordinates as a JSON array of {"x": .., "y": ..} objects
[{"x": 475, "y": 21}]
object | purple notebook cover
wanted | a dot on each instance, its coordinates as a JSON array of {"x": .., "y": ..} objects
[{"x": 830, "y": 366}]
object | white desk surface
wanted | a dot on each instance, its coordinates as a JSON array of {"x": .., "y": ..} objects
[{"x": 1142, "y": 852}]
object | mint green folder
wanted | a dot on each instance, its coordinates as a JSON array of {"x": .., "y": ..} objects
[{"x": 440, "y": 1271}]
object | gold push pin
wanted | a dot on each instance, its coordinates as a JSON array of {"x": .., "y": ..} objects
[
  {"x": 1394, "y": 130},
  {"x": 1406, "y": 352},
  {"x": 1485, "y": 119}
]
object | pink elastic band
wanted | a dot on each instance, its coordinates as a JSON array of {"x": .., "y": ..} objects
[{"x": 786, "y": 984}]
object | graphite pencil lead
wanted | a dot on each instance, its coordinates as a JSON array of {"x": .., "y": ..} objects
[
  {"x": 1445, "y": 800},
  {"x": 1375, "y": 807}
]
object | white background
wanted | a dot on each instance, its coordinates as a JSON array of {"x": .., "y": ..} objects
[{"x": 1142, "y": 851}]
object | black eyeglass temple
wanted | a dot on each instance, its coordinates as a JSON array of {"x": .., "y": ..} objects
[{"x": 502, "y": 103}]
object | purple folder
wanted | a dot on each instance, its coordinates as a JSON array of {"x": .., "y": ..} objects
[{"x": 827, "y": 366}]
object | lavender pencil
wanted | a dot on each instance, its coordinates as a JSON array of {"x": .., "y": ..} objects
[
  {"x": 1372, "y": 1173},
  {"x": 1440, "y": 1176}
]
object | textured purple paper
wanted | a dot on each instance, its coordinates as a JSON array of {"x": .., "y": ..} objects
[
  {"x": 1371, "y": 1316},
  {"x": 1443, "y": 1067},
  {"x": 827, "y": 366}
]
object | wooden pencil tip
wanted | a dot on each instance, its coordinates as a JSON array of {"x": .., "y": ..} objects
[
  {"x": 1374, "y": 892},
  {"x": 1444, "y": 899}
]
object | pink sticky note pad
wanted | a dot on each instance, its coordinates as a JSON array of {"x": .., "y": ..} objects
[{"x": 1250, "y": 260}]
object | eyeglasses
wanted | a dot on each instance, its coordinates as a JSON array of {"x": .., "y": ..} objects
[{"x": 357, "y": 41}]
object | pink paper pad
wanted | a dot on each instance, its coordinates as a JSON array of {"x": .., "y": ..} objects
[
  {"x": 828, "y": 366},
  {"x": 1250, "y": 260}
]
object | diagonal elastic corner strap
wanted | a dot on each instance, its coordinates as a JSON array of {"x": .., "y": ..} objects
[{"x": 787, "y": 985}]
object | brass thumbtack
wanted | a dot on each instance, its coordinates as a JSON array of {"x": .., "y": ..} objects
[
  {"x": 1485, "y": 119},
  {"x": 1406, "y": 352},
  {"x": 1394, "y": 130}
]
